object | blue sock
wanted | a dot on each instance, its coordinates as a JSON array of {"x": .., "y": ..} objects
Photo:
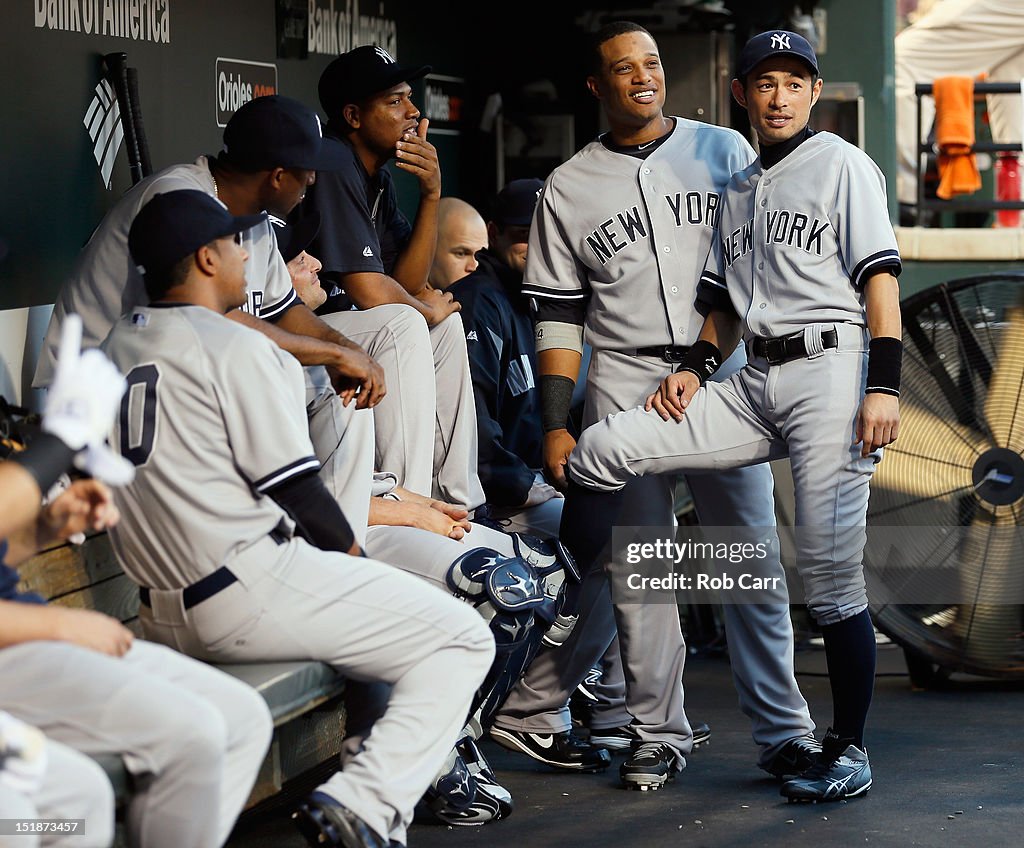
[{"x": 850, "y": 652}]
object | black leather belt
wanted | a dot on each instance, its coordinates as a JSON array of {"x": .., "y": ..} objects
[
  {"x": 666, "y": 353},
  {"x": 201, "y": 590},
  {"x": 785, "y": 348}
]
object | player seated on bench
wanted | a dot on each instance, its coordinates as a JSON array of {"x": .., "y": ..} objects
[
  {"x": 192, "y": 737},
  {"x": 438, "y": 542},
  {"x": 241, "y": 552}
]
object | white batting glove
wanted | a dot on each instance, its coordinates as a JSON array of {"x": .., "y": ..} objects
[
  {"x": 81, "y": 405},
  {"x": 85, "y": 394},
  {"x": 22, "y": 756},
  {"x": 101, "y": 463}
]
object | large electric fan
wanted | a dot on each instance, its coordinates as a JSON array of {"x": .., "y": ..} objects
[{"x": 945, "y": 556}]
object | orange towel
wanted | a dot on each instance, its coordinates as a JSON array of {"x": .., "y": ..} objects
[{"x": 954, "y": 136}]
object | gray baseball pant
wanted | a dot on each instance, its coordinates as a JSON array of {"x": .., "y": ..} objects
[
  {"x": 342, "y": 438},
  {"x": 74, "y": 787},
  {"x": 192, "y": 737},
  {"x": 426, "y": 370},
  {"x": 765, "y": 413},
  {"x": 650, "y": 639},
  {"x": 371, "y": 622}
]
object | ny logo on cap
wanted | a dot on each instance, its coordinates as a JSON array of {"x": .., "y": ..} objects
[
  {"x": 780, "y": 41},
  {"x": 384, "y": 55}
]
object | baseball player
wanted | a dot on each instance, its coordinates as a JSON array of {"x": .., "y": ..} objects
[
  {"x": 461, "y": 234},
  {"x": 804, "y": 266},
  {"x": 624, "y": 271},
  {"x": 422, "y": 536},
  {"x": 272, "y": 146},
  {"x": 503, "y": 362},
  {"x": 377, "y": 262},
  {"x": 215, "y": 525},
  {"x": 192, "y": 737},
  {"x": 465, "y": 791}
]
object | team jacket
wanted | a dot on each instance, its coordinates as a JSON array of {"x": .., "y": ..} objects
[
  {"x": 361, "y": 227},
  {"x": 503, "y": 362}
]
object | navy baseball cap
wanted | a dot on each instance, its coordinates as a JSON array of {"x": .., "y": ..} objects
[
  {"x": 175, "y": 224},
  {"x": 514, "y": 205},
  {"x": 295, "y": 237},
  {"x": 275, "y": 131},
  {"x": 363, "y": 71},
  {"x": 776, "y": 42}
]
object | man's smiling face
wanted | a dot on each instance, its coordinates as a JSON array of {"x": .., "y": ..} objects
[{"x": 630, "y": 81}]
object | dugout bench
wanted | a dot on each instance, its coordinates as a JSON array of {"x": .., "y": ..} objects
[{"x": 304, "y": 697}]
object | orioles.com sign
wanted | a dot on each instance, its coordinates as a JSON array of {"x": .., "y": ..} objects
[{"x": 238, "y": 82}]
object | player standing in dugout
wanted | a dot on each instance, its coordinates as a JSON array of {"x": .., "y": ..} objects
[{"x": 804, "y": 266}]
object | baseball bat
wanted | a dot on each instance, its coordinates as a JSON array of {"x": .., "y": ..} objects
[
  {"x": 140, "y": 128},
  {"x": 116, "y": 69}
]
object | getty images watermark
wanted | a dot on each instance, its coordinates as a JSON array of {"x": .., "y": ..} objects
[{"x": 922, "y": 566}]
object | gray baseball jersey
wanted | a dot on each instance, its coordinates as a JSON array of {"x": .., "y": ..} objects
[
  {"x": 207, "y": 447},
  {"x": 630, "y": 237},
  {"x": 793, "y": 256},
  {"x": 105, "y": 283},
  {"x": 199, "y": 497}
]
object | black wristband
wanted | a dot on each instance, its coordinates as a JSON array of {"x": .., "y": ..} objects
[
  {"x": 885, "y": 364},
  {"x": 46, "y": 458},
  {"x": 702, "y": 359},
  {"x": 555, "y": 401}
]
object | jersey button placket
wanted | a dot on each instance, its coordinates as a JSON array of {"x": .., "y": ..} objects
[{"x": 757, "y": 259}]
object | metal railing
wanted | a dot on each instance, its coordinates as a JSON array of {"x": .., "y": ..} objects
[{"x": 930, "y": 148}]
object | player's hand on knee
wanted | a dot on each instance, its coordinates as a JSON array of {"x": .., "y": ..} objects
[
  {"x": 92, "y": 630},
  {"x": 558, "y": 444},
  {"x": 454, "y": 511},
  {"x": 878, "y": 422},
  {"x": 439, "y": 304},
  {"x": 417, "y": 156},
  {"x": 673, "y": 395},
  {"x": 357, "y": 375},
  {"x": 438, "y": 521}
]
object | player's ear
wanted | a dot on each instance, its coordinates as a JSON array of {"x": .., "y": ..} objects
[
  {"x": 593, "y": 87},
  {"x": 351, "y": 115},
  {"x": 739, "y": 94},
  {"x": 276, "y": 177},
  {"x": 493, "y": 231},
  {"x": 816, "y": 90},
  {"x": 206, "y": 259}
]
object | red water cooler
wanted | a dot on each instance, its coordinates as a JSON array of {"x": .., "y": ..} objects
[{"x": 1008, "y": 187}]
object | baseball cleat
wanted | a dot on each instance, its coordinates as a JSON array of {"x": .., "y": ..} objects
[
  {"x": 615, "y": 739},
  {"x": 326, "y": 823},
  {"x": 618, "y": 739},
  {"x": 842, "y": 771},
  {"x": 650, "y": 766},
  {"x": 493, "y": 799},
  {"x": 701, "y": 734},
  {"x": 794, "y": 757},
  {"x": 584, "y": 698},
  {"x": 562, "y": 750}
]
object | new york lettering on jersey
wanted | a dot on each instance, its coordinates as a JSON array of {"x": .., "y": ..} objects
[
  {"x": 624, "y": 228},
  {"x": 792, "y": 229}
]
